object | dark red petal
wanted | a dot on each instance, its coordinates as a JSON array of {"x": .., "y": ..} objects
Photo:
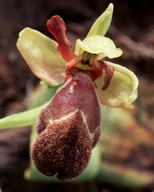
[
  {"x": 109, "y": 71},
  {"x": 57, "y": 27}
]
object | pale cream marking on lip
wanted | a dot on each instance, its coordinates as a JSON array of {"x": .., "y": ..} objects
[
  {"x": 63, "y": 117},
  {"x": 91, "y": 135},
  {"x": 85, "y": 121},
  {"x": 71, "y": 89},
  {"x": 84, "y": 117}
]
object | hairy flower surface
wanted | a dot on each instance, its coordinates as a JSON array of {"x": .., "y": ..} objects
[{"x": 70, "y": 125}]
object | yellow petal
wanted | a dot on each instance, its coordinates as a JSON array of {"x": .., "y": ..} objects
[{"x": 97, "y": 44}]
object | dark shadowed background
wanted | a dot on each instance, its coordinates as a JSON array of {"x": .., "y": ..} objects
[{"x": 132, "y": 29}]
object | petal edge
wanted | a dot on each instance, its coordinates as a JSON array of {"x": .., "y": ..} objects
[
  {"x": 41, "y": 55},
  {"x": 102, "y": 24},
  {"x": 122, "y": 91}
]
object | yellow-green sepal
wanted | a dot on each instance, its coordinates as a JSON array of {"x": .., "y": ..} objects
[
  {"x": 122, "y": 91},
  {"x": 102, "y": 24},
  {"x": 99, "y": 28},
  {"x": 41, "y": 55}
]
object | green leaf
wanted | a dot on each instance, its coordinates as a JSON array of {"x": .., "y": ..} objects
[
  {"x": 25, "y": 118},
  {"x": 97, "y": 44},
  {"x": 41, "y": 55},
  {"x": 122, "y": 91},
  {"x": 102, "y": 24}
]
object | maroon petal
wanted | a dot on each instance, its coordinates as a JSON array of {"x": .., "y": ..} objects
[
  {"x": 109, "y": 71},
  {"x": 57, "y": 27}
]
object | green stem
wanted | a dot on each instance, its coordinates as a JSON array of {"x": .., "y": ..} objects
[{"x": 22, "y": 119}]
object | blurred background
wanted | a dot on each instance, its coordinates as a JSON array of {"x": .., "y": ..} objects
[{"x": 126, "y": 147}]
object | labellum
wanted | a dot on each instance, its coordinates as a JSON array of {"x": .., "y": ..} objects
[{"x": 68, "y": 128}]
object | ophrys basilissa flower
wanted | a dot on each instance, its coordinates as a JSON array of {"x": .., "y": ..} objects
[{"x": 70, "y": 125}]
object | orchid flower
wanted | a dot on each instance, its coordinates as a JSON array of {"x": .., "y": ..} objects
[
  {"x": 70, "y": 125},
  {"x": 53, "y": 61}
]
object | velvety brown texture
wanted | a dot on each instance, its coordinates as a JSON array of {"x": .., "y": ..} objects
[
  {"x": 63, "y": 148},
  {"x": 77, "y": 93},
  {"x": 68, "y": 128}
]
